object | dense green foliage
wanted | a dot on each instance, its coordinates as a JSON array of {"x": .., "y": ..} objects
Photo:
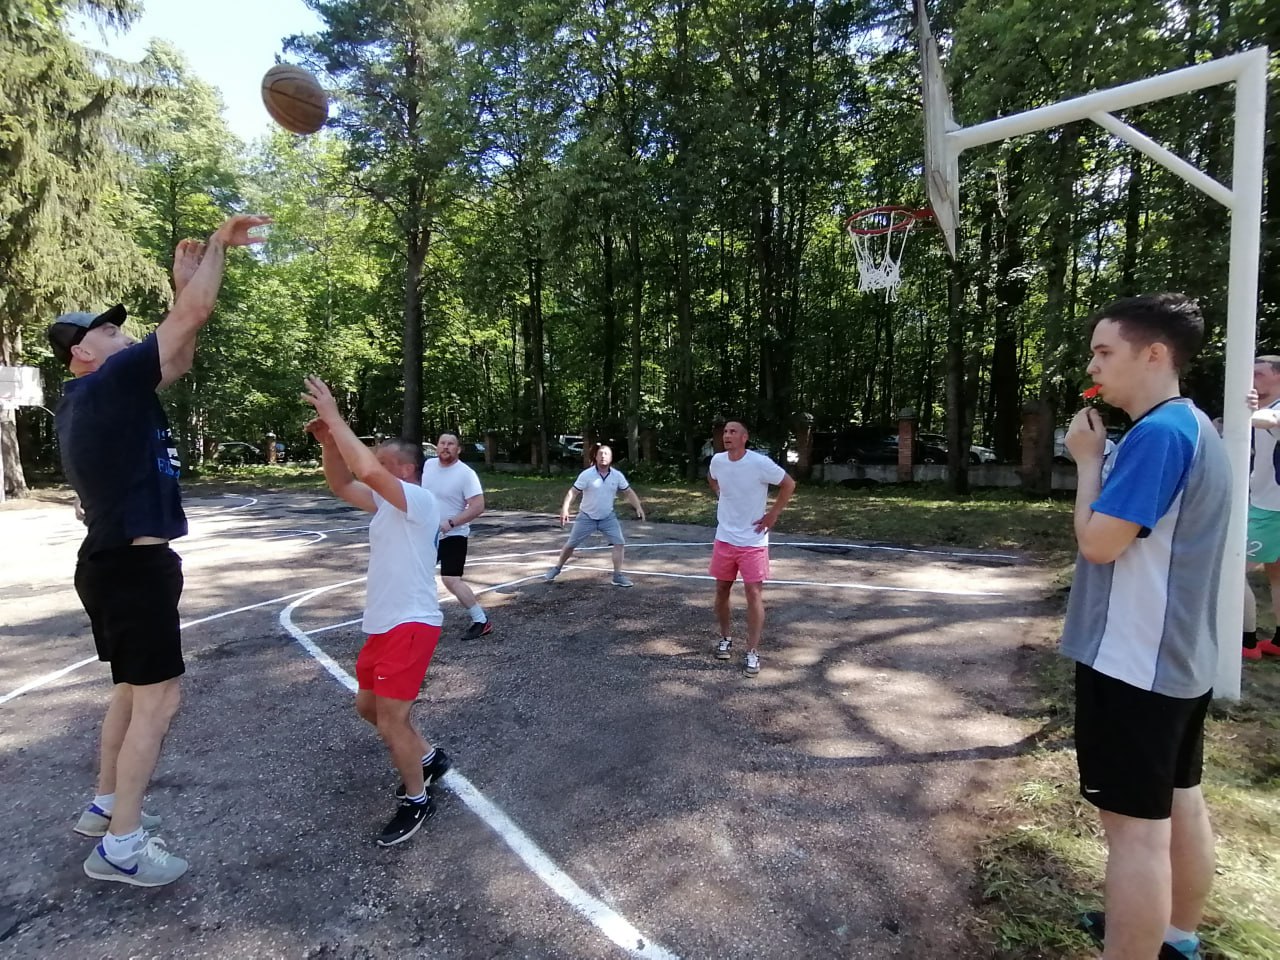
[{"x": 621, "y": 216}]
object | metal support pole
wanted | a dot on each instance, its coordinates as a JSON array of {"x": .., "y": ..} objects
[{"x": 1242, "y": 331}]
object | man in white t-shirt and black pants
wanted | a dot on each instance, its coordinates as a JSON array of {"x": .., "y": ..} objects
[
  {"x": 461, "y": 498},
  {"x": 599, "y": 485},
  {"x": 741, "y": 478},
  {"x": 401, "y": 614}
]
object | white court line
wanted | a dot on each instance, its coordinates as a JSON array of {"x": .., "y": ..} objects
[
  {"x": 451, "y": 597},
  {"x": 57, "y": 674},
  {"x": 603, "y": 917},
  {"x": 804, "y": 583}
]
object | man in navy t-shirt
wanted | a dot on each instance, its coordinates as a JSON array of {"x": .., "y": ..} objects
[
  {"x": 119, "y": 456},
  {"x": 1151, "y": 522}
]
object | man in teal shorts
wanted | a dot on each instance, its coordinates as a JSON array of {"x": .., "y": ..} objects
[{"x": 1264, "y": 502}]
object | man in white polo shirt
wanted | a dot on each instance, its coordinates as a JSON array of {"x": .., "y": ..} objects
[
  {"x": 741, "y": 478},
  {"x": 457, "y": 488},
  {"x": 599, "y": 485}
]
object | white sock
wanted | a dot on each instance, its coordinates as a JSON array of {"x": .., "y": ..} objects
[
  {"x": 420, "y": 798},
  {"x": 1174, "y": 935},
  {"x": 106, "y": 802},
  {"x": 122, "y": 848},
  {"x": 477, "y": 614},
  {"x": 428, "y": 757}
]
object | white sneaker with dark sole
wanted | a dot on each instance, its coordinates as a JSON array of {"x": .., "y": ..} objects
[
  {"x": 95, "y": 821},
  {"x": 150, "y": 865},
  {"x": 725, "y": 650},
  {"x": 751, "y": 666}
]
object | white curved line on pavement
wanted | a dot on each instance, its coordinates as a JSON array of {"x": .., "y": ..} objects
[
  {"x": 57, "y": 674},
  {"x": 605, "y": 919}
]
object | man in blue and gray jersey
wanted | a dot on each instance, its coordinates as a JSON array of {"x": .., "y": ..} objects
[
  {"x": 1150, "y": 523},
  {"x": 1264, "y": 502}
]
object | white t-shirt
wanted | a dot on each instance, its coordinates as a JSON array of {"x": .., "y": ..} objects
[
  {"x": 599, "y": 492},
  {"x": 744, "y": 496},
  {"x": 1264, "y": 478},
  {"x": 402, "y": 563},
  {"x": 453, "y": 486}
]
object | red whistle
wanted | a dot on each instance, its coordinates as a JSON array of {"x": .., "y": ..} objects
[{"x": 1092, "y": 392}]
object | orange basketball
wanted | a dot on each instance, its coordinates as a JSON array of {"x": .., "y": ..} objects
[{"x": 294, "y": 98}]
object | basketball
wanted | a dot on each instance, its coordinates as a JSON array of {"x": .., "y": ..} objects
[{"x": 294, "y": 98}]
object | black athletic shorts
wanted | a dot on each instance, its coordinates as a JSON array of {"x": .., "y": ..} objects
[
  {"x": 452, "y": 552},
  {"x": 1135, "y": 747},
  {"x": 131, "y": 595}
]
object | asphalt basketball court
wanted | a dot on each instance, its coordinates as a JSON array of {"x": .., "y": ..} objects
[{"x": 617, "y": 790}]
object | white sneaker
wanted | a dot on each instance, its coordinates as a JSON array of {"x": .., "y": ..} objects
[
  {"x": 95, "y": 821},
  {"x": 752, "y": 666},
  {"x": 725, "y": 649},
  {"x": 150, "y": 865}
]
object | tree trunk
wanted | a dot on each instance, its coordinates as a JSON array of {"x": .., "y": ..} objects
[
  {"x": 637, "y": 342},
  {"x": 609, "y": 344},
  {"x": 959, "y": 426},
  {"x": 1011, "y": 293},
  {"x": 416, "y": 255},
  {"x": 15, "y": 481},
  {"x": 1132, "y": 227}
]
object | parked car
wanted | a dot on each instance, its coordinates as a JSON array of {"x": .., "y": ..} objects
[
  {"x": 558, "y": 452},
  {"x": 574, "y": 443},
  {"x": 977, "y": 454},
  {"x": 237, "y": 453},
  {"x": 1062, "y": 455},
  {"x": 428, "y": 449}
]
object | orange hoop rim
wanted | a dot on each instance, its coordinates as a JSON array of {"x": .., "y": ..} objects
[{"x": 906, "y": 217}]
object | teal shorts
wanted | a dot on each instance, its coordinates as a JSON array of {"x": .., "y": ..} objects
[{"x": 1264, "y": 536}]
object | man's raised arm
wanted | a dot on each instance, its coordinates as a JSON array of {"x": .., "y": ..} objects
[{"x": 176, "y": 335}]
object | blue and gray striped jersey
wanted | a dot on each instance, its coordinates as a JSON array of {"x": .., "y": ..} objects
[{"x": 1149, "y": 618}]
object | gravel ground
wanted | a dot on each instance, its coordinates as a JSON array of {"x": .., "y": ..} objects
[{"x": 829, "y": 807}]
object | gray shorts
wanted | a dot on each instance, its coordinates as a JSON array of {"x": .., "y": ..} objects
[{"x": 584, "y": 527}]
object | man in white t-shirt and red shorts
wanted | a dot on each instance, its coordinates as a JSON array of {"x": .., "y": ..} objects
[
  {"x": 740, "y": 479},
  {"x": 402, "y": 614}
]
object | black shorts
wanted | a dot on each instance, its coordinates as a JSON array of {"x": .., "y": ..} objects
[
  {"x": 131, "y": 595},
  {"x": 1135, "y": 747},
  {"x": 452, "y": 552}
]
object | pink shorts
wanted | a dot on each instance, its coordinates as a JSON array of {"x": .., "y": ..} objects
[
  {"x": 727, "y": 561},
  {"x": 394, "y": 664}
]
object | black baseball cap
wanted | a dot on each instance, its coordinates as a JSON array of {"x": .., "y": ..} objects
[{"x": 70, "y": 328}]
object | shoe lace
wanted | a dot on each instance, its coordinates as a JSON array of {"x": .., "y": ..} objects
[
  {"x": 753, "y": 658},
  {"x": 725, "y": 643},
  {"x": 155, "y": 851}
]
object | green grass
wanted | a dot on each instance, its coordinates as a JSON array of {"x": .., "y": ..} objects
[
  {"x": 1042, "y": 864},
  {"x": 917, "y": 514}
]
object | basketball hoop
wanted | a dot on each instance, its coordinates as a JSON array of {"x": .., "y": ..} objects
[{"x": 879, "y": 236}]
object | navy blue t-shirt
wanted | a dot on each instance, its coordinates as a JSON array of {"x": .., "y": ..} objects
[{"x": 117, "y": 451}]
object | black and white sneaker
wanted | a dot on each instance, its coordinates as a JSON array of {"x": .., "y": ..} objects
[
  {"x": 724, "y": 650},
  {"x": 407, "y": 821},
  {"x": 477, "y": 630},
  {"x": 431, "y": 772}
]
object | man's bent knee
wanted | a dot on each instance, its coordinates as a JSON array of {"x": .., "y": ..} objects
[{"x": 156, "y": 702}]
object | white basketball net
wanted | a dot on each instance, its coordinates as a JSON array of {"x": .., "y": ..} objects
[{"x": 879, "y": 254}]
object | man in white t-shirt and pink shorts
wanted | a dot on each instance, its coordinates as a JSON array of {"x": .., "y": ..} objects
[
  {"x": 740, "y": 479},
  {"x": 402, "y": 613}
]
